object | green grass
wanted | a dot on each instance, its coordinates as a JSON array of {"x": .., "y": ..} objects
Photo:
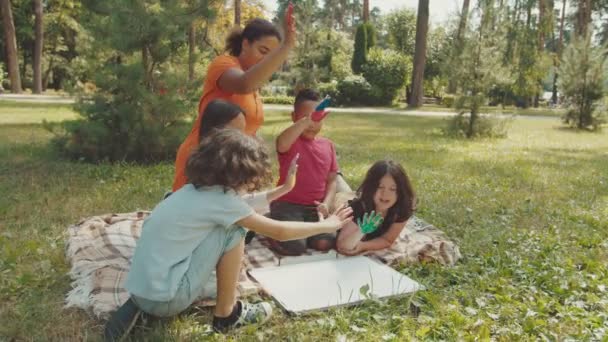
[
  {"x": 530, "y": 214},
  {"x": 13, "y": 112},
  {"x": 541, "y": 111}
]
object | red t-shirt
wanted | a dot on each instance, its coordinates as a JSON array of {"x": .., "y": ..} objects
[{"x": 317, "y": 161}]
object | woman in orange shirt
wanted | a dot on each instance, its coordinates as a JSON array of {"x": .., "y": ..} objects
[{"x": 255, "y": 53}]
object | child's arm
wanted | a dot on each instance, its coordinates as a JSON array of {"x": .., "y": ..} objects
[
  {"x": 291, "y": 134},
  {"x": 291, "y": 230},
  {"x": 290, "y": 182},
  {"x": 259, "y": 200},
  {"x": 384, "y": 241},
  {"x": 330, "y": 194}
]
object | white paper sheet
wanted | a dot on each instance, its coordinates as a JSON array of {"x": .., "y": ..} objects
[{"x": 322, "y": 284}]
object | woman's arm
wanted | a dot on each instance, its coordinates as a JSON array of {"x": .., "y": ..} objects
[
  {"x": 244, "y": 82},
  {"x": 291, "y": 230}
]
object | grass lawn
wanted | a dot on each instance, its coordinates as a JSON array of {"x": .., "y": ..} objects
[
  {"x": 530, "y": 214},
  {"x": 512, "y": 110}
]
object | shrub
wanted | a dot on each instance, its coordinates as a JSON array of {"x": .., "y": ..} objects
[
  {"x": 484, "y": 126},
  {"x": 2, "y": 76},
  {"x": 279, "y": 99},
  {"x": 360, "y": 53},
  {"x": 582, "y": 83},
  {"x": 387, "y": 72},
  {"x": 370, "y": 32},
  {"x": 353, "y": 90},
  {"x": 331, "y": 89},
  {"x": 124, "y": 121},
  {"x": 448, "y": 101}
]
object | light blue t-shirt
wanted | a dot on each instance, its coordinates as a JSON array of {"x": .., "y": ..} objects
[{"x": 171, "y": 233}]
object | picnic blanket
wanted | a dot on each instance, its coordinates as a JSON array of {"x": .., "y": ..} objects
[{"x": 100, "y": 249}]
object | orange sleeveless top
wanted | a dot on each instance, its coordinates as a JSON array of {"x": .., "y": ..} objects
[{"x": 251, "y": 104}]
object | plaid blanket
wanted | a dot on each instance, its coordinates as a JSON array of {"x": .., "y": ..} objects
[{"x": 100, "y": 248}]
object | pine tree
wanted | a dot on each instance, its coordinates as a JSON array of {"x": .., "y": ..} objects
[
  {"x": 582, "y": 82},
  {"x": 140, "y": 96},
  {"x": 360, "y": 52}
]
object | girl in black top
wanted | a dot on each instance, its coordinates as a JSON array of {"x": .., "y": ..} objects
[{"x": 386, "y": 190}]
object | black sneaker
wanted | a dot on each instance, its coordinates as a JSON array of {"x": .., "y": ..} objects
[
  {"x": 257, "y": 313},
  {"x": 122, "y": 321},
  {"x": 250, "y": 235}
]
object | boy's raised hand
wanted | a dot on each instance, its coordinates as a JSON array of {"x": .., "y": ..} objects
[{"x": 341, "y": 217}]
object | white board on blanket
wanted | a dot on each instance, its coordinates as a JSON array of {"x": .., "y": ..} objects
[{"x": 319, "y": 285}]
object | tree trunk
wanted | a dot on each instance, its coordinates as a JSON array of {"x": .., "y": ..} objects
[
  {"x": 559, "y": 49},
  {"x": 191, "y": 50},
  {"x": 541, "y": 24},
  {"x": 583, "y": 18},
  {"x": 422, "y": 28},
  {"x": 38, "y": 44},
  {"x": 365, "y": 11},
  {"x": 11, "y": 46},
  {"x": 237, "y": 12},
  {"x": 462, "y": 26}
]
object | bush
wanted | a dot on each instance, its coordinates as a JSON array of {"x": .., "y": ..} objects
[
  {"x": 581, "y": 82},
  {"x": 370, "y": 31},
  {"x": 280, "y": 99},
  {"x": 448, "y": 101},
  {"x": 483, "y": 126},
  {"x": 330, "y": 89},
  {"x": 353, "y": 90},
  {"x": 2, "y": 76},
  {"x": 387, "y": 72},
  {"x": 125, "y": 121},
  {"x": 360, "y": 53}
]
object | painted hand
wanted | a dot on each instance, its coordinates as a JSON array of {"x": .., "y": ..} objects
[{"x": 370, "y": 222}]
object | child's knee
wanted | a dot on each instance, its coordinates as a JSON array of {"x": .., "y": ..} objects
[{"x": 323, "y": 245}]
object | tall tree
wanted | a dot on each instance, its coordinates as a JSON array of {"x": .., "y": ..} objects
[
  {"x": 583, "y": 18},
  {"x": 191, "y": 51},
  {"x": 11, "y": 46},
  {"x": 422, "y": 28},
  {"x": 559, "y": 49},
  {"x": 459, "y": 39},
  {"x": 462, "y": 23},
  {"x": 542, "y": 25},
  {"x": 365, "y": 11},
  {"x": 237, "y": 12},
  {"x": 38, "y": 44}
]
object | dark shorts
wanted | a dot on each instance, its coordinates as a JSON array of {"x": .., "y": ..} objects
[{"x": 284, "y": 211}]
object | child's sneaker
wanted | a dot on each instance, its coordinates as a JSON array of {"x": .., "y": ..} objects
[
  {"x": 122, "y": 321},
  {"x": 249, "y": 314}
]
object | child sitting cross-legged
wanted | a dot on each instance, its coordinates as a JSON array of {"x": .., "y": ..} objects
[
  {"x": 316, "y": 179},
  {"x": 199, "y": 229}
]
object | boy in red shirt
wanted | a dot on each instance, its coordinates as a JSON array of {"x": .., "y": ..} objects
[{"x": 316, "y": 178}]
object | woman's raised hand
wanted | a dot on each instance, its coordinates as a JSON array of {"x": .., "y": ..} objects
[{"x": 289, "y": 27}]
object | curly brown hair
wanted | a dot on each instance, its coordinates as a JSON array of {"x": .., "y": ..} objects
[{"x": 231, "y": 159}]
